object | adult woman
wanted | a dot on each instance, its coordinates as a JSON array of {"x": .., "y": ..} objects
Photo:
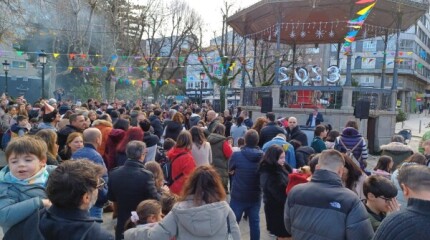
[
  {"x": 397, "y": 150},
  {"x": 331, "y": 138},
  {"x": 133, "y": 133},
  {"x": 174, "y": 127},
  {"x": 22, "y": 110},
  {"x": 353, "y": 177},
  {"x": 201, "y": 149},
  {"x": 114, "y": 138},
  {"x": 351, "y": 139},
  {"x": 259, "y": 124},
  {"x": 274, "y": 180},
  {"x": 50, "y": 137},
  {"x": 74, "y": 142},
  {"x": 155, "y": 168},
  {"x": 201, "y": 213},
  {"x": 182, "y": 162},
  {"x": 237, "y": 130}
]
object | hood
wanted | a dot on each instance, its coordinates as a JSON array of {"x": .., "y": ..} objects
[
  {"x": 252, "y": 154},
  {"x": 215, "y": 138},
  {"x": 152, "y": 118},
  {"x": 306, "y": 149},
  {"x": 174, "y": 126},
  {"x": 396, "y": 147},
  {"x": 116, "y": 134},
  {"x": 350, "y": 131},
  {"x": 100, "y": 122},
  {"x": 202, "y": 221},
  {"x": 176, "y": 151}
]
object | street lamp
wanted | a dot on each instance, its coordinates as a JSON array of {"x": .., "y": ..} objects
[
  {"x": 6, "y": 70},
  {"x": 202, "y": 76},
  {"x": 42, "y": 59}
]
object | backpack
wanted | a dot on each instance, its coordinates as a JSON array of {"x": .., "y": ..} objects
[
  {"x": 167, "y": 171},
  {"x": 350, "y": 152}
]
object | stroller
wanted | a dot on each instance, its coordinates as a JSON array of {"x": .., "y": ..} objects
[{"x": 406, "y": 134}]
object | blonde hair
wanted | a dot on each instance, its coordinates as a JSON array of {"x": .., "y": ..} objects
[{"x": 155, "y": 168}]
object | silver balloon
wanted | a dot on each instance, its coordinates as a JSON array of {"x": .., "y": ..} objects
[
  {"x": 333, "y": 74},
  {"x": 283, "y": 71},
  {"x": 301, "y": 74},
  {"x": 316, "y": 70}
]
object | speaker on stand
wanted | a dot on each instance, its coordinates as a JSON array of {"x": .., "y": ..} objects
[
  {"x": 266, "y": 104},
  {"x": 362, "y": 109}
]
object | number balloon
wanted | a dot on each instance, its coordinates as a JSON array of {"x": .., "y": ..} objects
[
  {"x": 317, "y": 74},
  {"x": 301, "y": 74},
  {"x": 333, "y": 74},
  {"x": 283, "y": 71}
]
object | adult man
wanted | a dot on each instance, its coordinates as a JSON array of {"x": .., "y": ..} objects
[
  {"x": 195, "y": 117},
  {"x": 245, "y": 184},
  {"x": 92, "y": 140},
  {"x": 149, "y": 139},
  {"x": 414, "y": 221},
  {"x": 212, "y": 121},
  {"x": 77, "y": 124},
  {"x": 323, "y": 208},
  {"x": 270, "y": 130},
  {"x": 156, "y": 123},
  {"x": 281, "y": 141},
  {"x": 130, "y": 184},
  {"x": 72, "y": 188},
  {"x": 50, "y": 117},
  {"x": 294, "y": 132},
  {"x": 102, "y": 109},
  {"x": 315, "y": 118}
]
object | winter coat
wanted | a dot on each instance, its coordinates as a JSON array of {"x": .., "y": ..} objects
[
  {"x": 156, "y": 125},
  {"x": 172, "y": 130},
  {"x": 56, "y": 223},
  {"x": 298, "y": 135},
  {"x": 338, "y": 213},
  {"x": 268, "y": 132},
  {"x": 318, "y": 120},
  {"x": 63, "y": 134},
  {"x": 114, "y": 138},
  {"x": 410, "y": 223},
  {"x": 211, "y": 126},
  {"x": 398, "y": 151},
  {"x": 129, "y": 185},
  {"x": 248, "y": 123},
  {"x": 318, "y": 144},
  {"x": 18, "y": 201},
  {"x": 245, "y": 182},
  {"x": 189, "y": 222},
  {"x": 236, "y": 132},
  {"x": 203, "y": 154},
  {"x": 105, "y": 128},
  {"x": 350, "y": 137},
  {"x": 194, "y": 120},
  {"x": 274, "y": 181},
  {"x": 89, "y": 152},
  {"x": 221, "y": 152},
  {"x": 302, "y": 155},
  {"x": 228, "y": 125},
  {"x": 290, "y": 156},
  {"x": 183, "y": 163},
  {"x": 151, "y": 142}
]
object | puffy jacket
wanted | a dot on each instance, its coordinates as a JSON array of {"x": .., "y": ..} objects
[
  {"x": 105, "y": 128},
  {"x": 290, "y": 156},
  {"x": 302, "y": 155},
  {"x": 324, "y": 209},
  {"x": 221, "y": 152},
  {"x": 156, "y": 125},
  {"x": 172, "y": 130},
  {"x": 183, "y": 163},
  {"x": 269, "y": 132},
  {"x": 245, "y": 184},
  {"x": 398, "y": 151},
  {"x": 350, "y": 137}
]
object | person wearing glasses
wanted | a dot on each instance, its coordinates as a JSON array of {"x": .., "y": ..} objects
[
  {"x": 73, "y": 189},
  {"x": 92, "y": 140}
]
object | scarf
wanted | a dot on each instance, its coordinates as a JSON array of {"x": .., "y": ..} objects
[{"x": 40, "y": 178}]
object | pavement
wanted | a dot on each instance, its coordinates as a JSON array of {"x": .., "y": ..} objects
[{"x": 417, "y": 123}]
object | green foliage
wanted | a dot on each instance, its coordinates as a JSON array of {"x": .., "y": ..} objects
[
  {"x": 129, "y": 93},
  {"x": 86, "y": 91},
  {"x": 401, "y": 116}
]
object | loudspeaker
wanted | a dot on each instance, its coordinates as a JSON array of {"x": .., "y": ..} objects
[
  {"x": 362, "y": 108},
  {"x": 266, "y": 104}
]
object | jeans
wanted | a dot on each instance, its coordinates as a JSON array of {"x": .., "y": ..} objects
[
  {"x": 96, "y": 212},
  {"x": 252, "y": 209}
]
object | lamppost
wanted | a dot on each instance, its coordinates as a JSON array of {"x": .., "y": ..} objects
[
  {"x": 202, "y": 76},
  {"x": 42, "y": 59},
  {"x": 6, "y": 70}
]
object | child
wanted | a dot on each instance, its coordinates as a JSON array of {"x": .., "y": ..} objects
[
  {"x": 380, "y": 198},
  {"x": 147, "y": 212},
  {"x": 167, "y": 201},
  {"x": 240, "y": 144},
  {"x": 21, "y": 127},
  {"x": 384, "y": 166},
  {"x": 23, "y": 180},
  {"x": 155, "y": 168}
]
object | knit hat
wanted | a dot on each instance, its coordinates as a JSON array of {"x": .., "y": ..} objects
[{"x": 296, "y": 179}]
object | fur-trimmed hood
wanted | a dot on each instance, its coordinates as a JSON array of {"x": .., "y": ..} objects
[
  {"x": 396, "y": 147},
  {"x": 102, "y": 122}
]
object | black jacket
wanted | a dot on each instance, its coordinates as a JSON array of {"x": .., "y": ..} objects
[
  {"x": 298, "y": 135},
  {"x": 150, "y": 139},
  {"x": 129, "y": 185},
  {"x": 63, "y": 134},
  {"x": 156, "y": 125},
  {"x": 56, "y": 223},
  {"x": 269, "y": 132},
  {"x": 173, "y": 129}
]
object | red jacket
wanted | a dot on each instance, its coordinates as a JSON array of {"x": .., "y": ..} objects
[
  {"x": 114, "y": 138},
  {"x": 184, "y": 164}
]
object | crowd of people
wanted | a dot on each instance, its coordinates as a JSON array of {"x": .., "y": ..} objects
[{"x": 187, "y": 172}]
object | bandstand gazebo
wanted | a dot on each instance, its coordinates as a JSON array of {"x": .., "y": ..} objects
[{"x": 297, "y": 22}]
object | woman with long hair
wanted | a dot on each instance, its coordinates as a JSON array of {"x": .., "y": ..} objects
[
  {"x": 50, "y": 137},
  {"x": 133, "y": 133},
  {"x": 201, "y": 213},
  {"x": 259, "y": 124},
  {"x": 182, "y": 161},
  {"x": 353, "y": 177},
  {"x": 174, "y": 127},
  {"x": 74, "y": 142},
  {"x": 114, "y": 138},
  {"x": 274, "y": 180},
  {"x": 155, "y": 168},
  {"x": 201, "y": 148}
]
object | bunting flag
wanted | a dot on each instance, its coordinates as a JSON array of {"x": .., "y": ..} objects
[{"x": 357, "y": 23}]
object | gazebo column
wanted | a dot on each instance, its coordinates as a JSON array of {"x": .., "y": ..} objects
[
  {"x": 396, "y": 65},
  {"x": 243, "y": 94},
  {"x": 347, "y": 88},
  {"x": 383, "y": 70},
  {"x": 276, "y": 88}
]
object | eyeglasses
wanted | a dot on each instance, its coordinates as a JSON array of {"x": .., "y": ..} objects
[
  {"x": 101, "y": 184},
  {"x": 387, "y": 200}
]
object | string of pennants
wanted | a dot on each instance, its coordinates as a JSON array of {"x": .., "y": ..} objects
[{"x": 141, "y": 82}]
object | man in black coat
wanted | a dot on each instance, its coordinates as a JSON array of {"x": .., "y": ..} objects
[
  {"x": 314, "y": 118},
  {"x": 130, "y": 184},
  {"x": 270, "y": 130},
  {"x": 294, "y": 132},
  {"x": 156, "y": 123}
]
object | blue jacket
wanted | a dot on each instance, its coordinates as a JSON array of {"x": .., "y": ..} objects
[
  {"x": 318, "y": 120},
  {"x": 290, "y": 156},
  {"x": 89, "y": 152},
  {"x": 245, "y": 183}
]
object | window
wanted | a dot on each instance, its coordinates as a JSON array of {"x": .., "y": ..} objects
[
  {"x": 19, "y": 64},
  {"x": 369, "y": 45}
]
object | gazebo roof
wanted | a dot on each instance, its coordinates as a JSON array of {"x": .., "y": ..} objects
[{"x": 322, "y": 21}]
